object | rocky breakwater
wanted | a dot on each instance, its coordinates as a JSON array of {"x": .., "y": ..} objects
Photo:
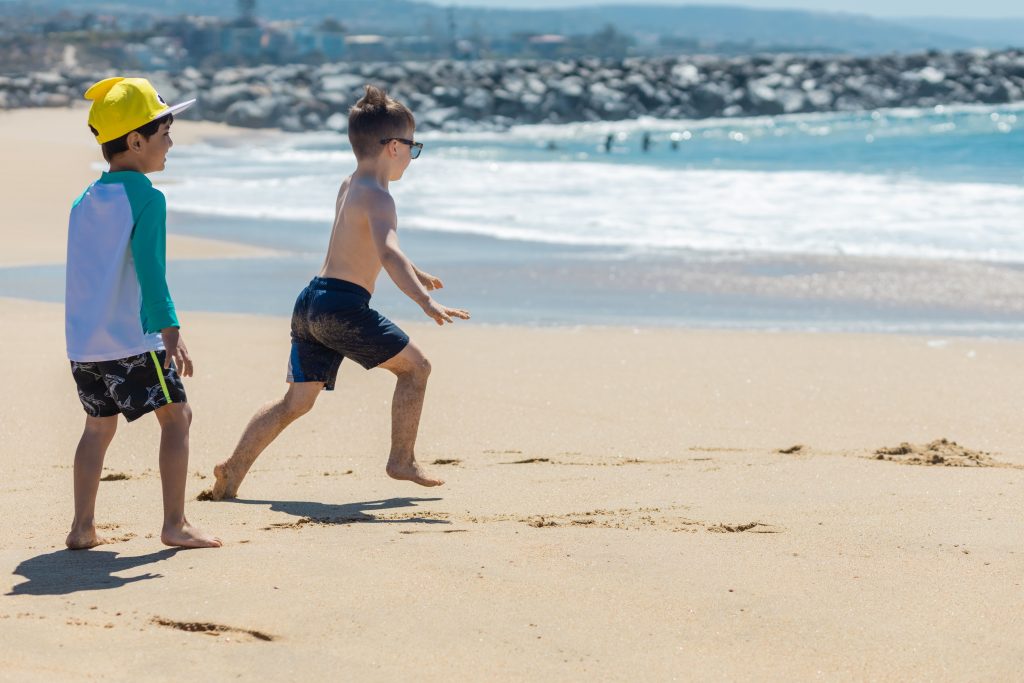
[{"x": 458, "y": 95}]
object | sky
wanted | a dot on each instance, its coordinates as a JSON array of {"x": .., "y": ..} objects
[{"x": 977, "y": 9}]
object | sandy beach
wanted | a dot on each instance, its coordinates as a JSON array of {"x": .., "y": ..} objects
[{"x": 621, "y": 503}]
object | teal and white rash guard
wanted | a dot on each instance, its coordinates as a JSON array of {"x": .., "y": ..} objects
[{"x": 116, "y": 298}]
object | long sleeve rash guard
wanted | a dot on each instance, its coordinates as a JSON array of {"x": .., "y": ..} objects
[{"x": 116, "y": 294}]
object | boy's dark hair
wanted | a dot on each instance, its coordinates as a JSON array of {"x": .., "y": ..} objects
[
  {"x": 376, "y": 117},
  {"x": 112, "y": 148}
]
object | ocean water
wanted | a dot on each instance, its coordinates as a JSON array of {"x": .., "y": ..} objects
[
  {"x": 937, "y": 183},
  {"x": 890, "y": 221}
]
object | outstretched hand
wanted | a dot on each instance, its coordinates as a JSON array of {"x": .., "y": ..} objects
[
  {"x": 429, "y": 281},
  {"x": 443, "y": 314},
  {"x": 176, "y": 350}
]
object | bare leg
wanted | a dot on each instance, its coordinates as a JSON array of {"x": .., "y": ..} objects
[
  {"x": 92, "y": 447},
  {"x": 175, "y": 420},
  {"x": 268, "y": 422},
  {"x": 412, "y": 369}
]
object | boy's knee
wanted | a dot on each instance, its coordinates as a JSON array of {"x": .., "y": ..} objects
[
  {"x": 409, "y": 364},
  {"x": 300, "y": 399},
  {"x": 297, "y": 406},
  {"x": 175, "y": 416},
  {"x": 101, "y": 427},
  {"x": 417, "y": 367}
]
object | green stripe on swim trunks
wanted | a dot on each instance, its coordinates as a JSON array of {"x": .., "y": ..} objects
[{"x": 160, "y": 374}]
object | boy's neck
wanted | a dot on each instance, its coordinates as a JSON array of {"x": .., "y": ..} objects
[
  {"x": 373, "y": 170},
  {"x": 119, "y": 164}
]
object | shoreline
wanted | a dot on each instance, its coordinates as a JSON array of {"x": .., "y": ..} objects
[
  {"x": 511, "y": 282},
  {"x": 559, "y": 288}
]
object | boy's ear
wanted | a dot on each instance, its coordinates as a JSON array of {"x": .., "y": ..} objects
[{"x": 135, "y": 141}]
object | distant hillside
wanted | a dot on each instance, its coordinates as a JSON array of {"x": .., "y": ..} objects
[
  {"x": 762, "y": 28},
  {"x": 992, "y": 33}
]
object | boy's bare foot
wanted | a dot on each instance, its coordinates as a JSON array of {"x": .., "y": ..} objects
[
  {"x": 188, "y": 536},
  {"x": 411, "y": 471},
  {"x": 226, "y": 485},
  {"x": 82, "y": 539}
]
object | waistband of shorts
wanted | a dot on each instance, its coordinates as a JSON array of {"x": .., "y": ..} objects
[{"x": 331, "y": 284}]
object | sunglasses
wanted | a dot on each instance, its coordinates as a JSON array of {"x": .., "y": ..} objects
[{"x": 414, "y": 147}]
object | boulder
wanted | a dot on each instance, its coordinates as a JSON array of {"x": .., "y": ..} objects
[{"x": 259, "y": 113}]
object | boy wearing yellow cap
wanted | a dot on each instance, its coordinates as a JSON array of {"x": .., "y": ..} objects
[{"x": 123, "y": 337}]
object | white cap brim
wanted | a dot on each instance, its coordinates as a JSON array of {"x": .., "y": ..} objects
[{"x": 174, "y": 109}]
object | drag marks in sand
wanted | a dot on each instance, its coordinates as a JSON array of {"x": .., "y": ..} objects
[
  {"x": 624, "y": 518},
  {"x": 107, "y": 621},
  {"x": 939, "y": 453},
  {"x": 617, "y": 462},
  {"x": 752, "y": 527},
  {"x": 363, "y": 518},
  {"x": 644, "y": 518},
  {"x": 210, "y": 629},
  {"x": 630, "y": 519}
]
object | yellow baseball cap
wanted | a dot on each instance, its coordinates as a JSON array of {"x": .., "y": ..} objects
[{"x": 120, "y": 105}]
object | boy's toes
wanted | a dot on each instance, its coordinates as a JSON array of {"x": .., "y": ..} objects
[
  {"x": 188, "y": 536},
  {"x": 412, "y": 472}
]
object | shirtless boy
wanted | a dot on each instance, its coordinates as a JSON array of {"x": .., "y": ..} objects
[{"x": 333, "y": 320}]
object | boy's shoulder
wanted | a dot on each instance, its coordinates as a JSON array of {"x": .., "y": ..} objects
[
  {"x": 137, "y": 188},
  {"x": 369, "y": 195},
  {"x": 141, "y": 193}
]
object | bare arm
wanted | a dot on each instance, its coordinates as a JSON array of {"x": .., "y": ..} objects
[
  {"x": 384, "y": 228},
  {"x": 412, "y": 281}
]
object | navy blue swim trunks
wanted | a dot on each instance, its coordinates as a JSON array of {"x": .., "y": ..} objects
[
  {"x": 333, "y": 320},
  {"x": 130, "y": 386}
]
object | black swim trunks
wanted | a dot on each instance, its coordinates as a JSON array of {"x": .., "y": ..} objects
[
  {"x": 333, "y": 320},
  {"x": 130, "y": 386}
]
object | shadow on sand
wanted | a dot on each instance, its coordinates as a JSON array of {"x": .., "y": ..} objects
[
  {"x": 68, "y": 571},
  {"x": 347, "y": 513}
]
